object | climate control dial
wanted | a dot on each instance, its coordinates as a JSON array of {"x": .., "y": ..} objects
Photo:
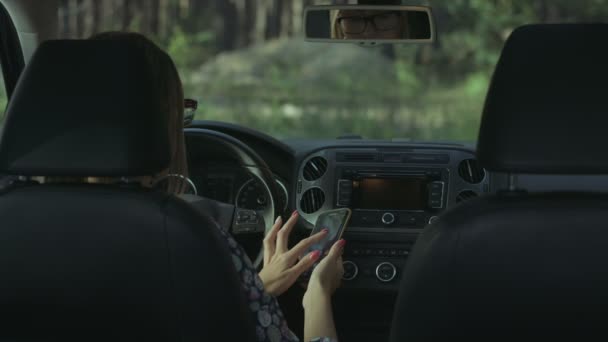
[
  {"x": 350, "y": 270},
  {"x": 386, "y": 272}
]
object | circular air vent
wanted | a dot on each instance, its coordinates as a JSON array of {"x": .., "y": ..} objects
[
  {"x": 312, "y": 200},
  {"x": 465, "y": 196},
  {"x": 315, "y": 168},
  {"x": 471, "y": 172}
]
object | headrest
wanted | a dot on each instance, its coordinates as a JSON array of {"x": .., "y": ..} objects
[
  {"x": 85, "y": 108},
  {"x": 547, "y": 106}
]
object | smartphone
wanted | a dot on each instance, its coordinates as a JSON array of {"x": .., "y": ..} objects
[{"x": 335, "y": 221}]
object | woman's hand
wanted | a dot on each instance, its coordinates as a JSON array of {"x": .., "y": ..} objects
[
  {"x": 325, "y": 279},
  {"x": 282, "y": 266},
  {"x": 327, "y": 276}
]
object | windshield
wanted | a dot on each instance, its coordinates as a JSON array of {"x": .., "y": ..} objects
[{"x": 246, "y": 62}]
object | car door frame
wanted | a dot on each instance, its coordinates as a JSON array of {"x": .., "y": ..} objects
[{"x": 11, "y": 53}]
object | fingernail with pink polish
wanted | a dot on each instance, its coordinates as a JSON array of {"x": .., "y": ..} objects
[
  {"x": 341, "y": 243},
  {"x": 315, "y": 255},
  {"x": 324, "y": 231}
]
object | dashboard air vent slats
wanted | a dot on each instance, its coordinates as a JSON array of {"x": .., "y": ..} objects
[
  {"x": 358, "y": 157},
  {"x": 465, "y": 196},
  {"x": 471, "y": 171},
  {"x": 312, "y": 200},
  {"x": 315, "y": 169}
]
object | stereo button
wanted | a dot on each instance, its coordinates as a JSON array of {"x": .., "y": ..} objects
[
  {"x": 436, "y": 204},
  {"x": 403, "y": 252},
  {"x": 409, "y": 220}
]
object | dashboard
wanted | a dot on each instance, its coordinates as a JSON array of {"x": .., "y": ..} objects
[
  {"x": 227, "y": 183},
  {"x": 394, "y": 188},
  {"x": 394, "y": 191}
]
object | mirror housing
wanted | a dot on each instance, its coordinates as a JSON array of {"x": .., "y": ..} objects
[{"x": 369, "y": 24}]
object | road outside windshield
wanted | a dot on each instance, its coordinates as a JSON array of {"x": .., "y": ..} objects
[{"x": 245, "y": 61}]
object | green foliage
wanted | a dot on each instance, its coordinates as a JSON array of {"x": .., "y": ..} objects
[
  {"x": 290, "y": 88},
  {"x": 189, "y": 49},
  {"x": 297, "y": 89}
]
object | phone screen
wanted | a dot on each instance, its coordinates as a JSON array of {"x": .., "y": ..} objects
[{"x": 335, "y": 222}]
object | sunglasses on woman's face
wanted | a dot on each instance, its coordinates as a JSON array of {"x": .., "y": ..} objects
[{"x": 190, "y": 107}]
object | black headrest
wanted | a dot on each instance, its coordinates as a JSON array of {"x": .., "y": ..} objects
[
  {"x": 547, "y": 106},
  {"x": 85, "y": 108}
]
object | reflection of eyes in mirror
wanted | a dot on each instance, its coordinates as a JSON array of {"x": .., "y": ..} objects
[
  {"x": 374, "y": 23},
  {"x": 369, "y": 25}
]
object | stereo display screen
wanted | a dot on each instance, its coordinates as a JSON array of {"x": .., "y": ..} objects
[{"x": 390, "y": 193}]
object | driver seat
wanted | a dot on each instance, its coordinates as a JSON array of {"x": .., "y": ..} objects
[{"x": 91, "y": 262}]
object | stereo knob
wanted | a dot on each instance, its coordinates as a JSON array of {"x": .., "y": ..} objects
[
  {"x": 433, "y": 219},
  {"x": 388, "y": 219},
  {"x": 350, "y": 270},
  {"x": 386, "y": 272}
]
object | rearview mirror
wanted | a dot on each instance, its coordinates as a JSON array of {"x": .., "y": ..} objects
[{"x": 369, "y": 24}]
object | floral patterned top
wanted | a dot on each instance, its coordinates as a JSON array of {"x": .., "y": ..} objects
[{"x": 271, "y": 325}]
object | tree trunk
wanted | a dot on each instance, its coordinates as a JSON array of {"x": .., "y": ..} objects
[
  {"x": 87, "y": 18},
  {"x": 163, "y": 19},
  {"x": 127, "y": 15},
  {"x": 184, "y": 8},
  {"x": 273, "y": 27},
  {"x": 285, "y": 18},
  {"x": 296, "y": 17},
  {"x": 73, "y": 19},
  {"x": 228, "y": 13},
  {"x": 153, "y": 18},
  {"x": 95, "y": 16},
  {"x": 64, "y": 19},
  {"x": 261, "y": 21}
]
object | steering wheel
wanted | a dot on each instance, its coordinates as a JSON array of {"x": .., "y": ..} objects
[{"x": 246, "y": 221}]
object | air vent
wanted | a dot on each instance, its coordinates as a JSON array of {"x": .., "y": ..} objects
[
  {"x": 312, "y": 200},
  {"x": 471, "y": 172},
  {"x": 465, "y": 196},
  {"x": 315, "y": 169},
  {"x": 357, "y": 157}
]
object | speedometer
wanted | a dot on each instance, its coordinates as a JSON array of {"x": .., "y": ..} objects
[{"x": 252, "y": 195}]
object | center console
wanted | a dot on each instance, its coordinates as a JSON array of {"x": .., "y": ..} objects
[
  {"x": 393, "y": 194},
  {"x": 392, "y": 197}
]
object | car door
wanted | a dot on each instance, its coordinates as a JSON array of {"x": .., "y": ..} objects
[{"x": 11, "y": 58}]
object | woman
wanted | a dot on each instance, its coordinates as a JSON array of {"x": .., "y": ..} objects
[
  {"x": 282, "y": 266},
  {"x": 369, "y": 24}
]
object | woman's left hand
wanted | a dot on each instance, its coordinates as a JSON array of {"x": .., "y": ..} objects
[{"x": 283, "y": 266}]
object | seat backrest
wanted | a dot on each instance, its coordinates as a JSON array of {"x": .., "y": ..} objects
[
  {"x": 514, "y": 265},
  {"x": 90, "y": 262},
  {"x": 95, "y": 263},
  {"x": 512, "y": 268}
]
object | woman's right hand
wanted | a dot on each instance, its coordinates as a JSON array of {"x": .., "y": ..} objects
[
  {"x": 327, "y": 276},
  {"x": 324, "y": 280}
]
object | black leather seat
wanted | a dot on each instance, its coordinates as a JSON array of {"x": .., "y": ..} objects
[
  {"x": 84, "y": 262},
  {"x": 516, "y": 265}
]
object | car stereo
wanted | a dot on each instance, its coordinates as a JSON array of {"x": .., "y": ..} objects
[{"x": 392, "y": 197}]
